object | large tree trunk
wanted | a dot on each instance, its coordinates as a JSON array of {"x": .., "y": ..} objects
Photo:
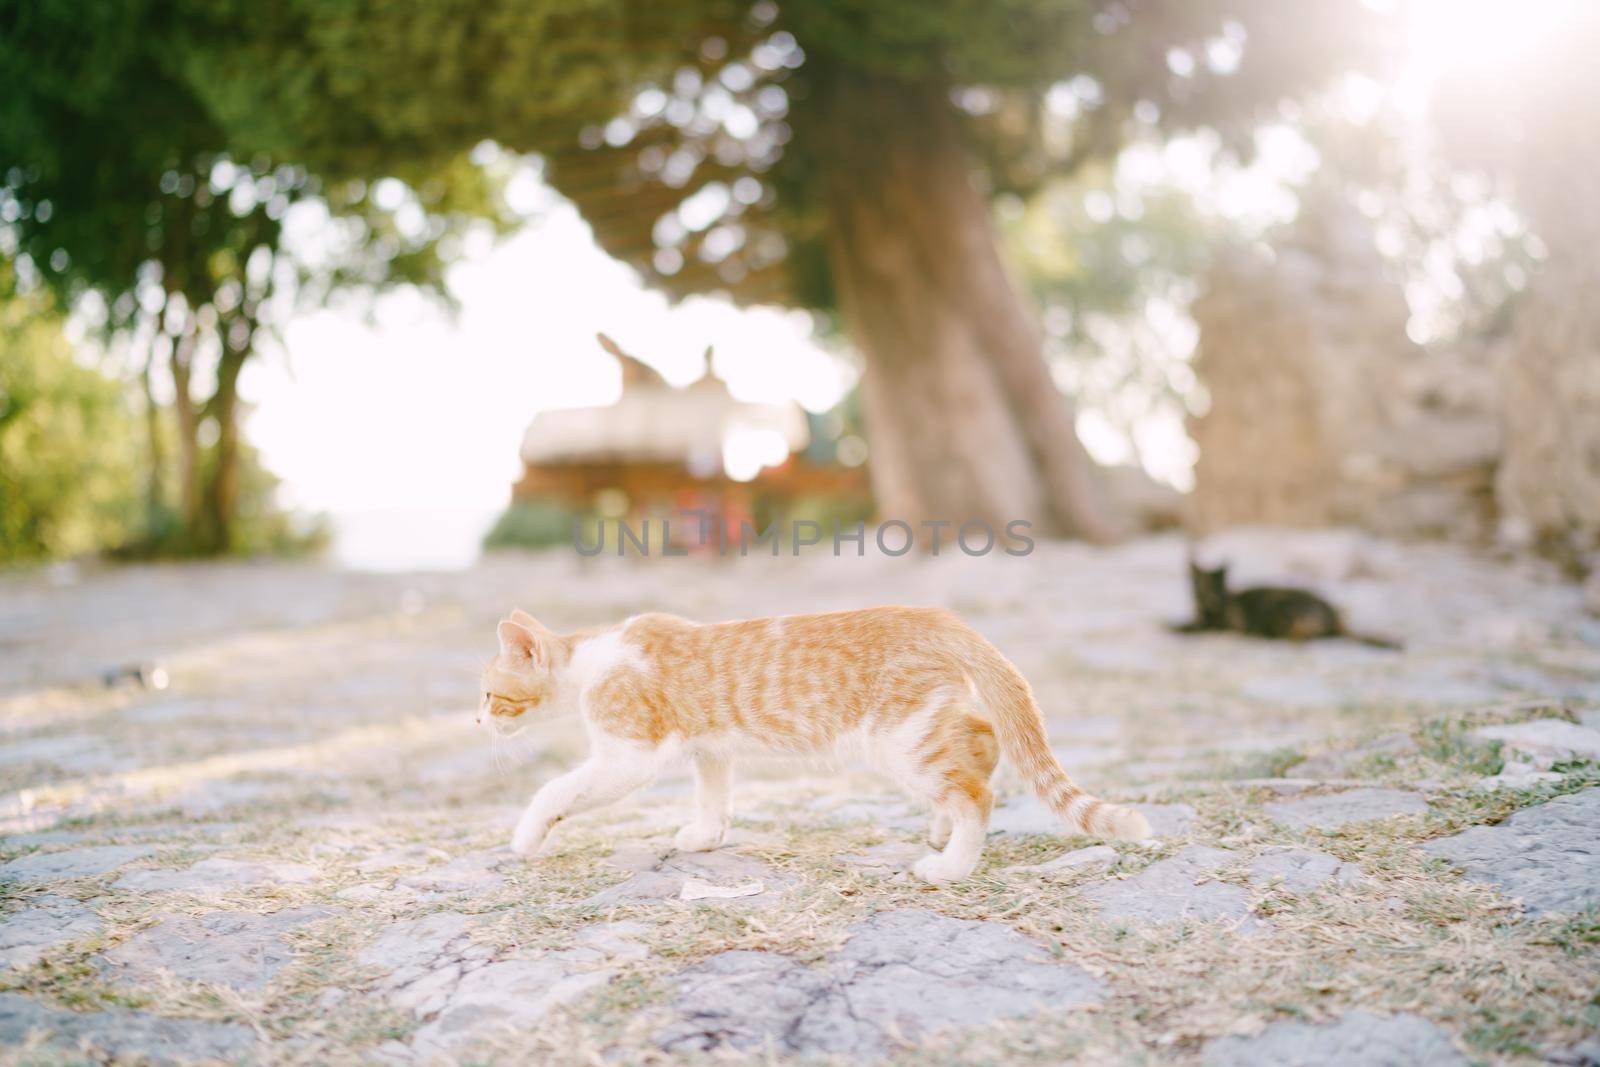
[
  {"x": 965, "y": 420},
  {"x": 155, "y": 489},
  {"x": 183, "y": 407},
  {"x": 222, "y": 489}
]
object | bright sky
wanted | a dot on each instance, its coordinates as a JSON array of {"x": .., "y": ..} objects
[{"x": 414, "y": 408}]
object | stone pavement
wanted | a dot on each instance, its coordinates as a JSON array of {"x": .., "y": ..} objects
[{"x": 294, "y": 852}]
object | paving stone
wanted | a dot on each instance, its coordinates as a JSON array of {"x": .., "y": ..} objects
[
  {"x": 1547, "y": 856},
  {"x": 210, "y": 797},
  {"x": 1432, "y": 686},
  {"x": 1174, "y": 889},
  {"x": 138, "y": 832},
  {"x": 1299, "y": 870},
  {"x": 240, "y": 950},
  {"x": 415, "y": 944},
  {"x": 1357, "y": 1039},
  {"x": 122, "y": 1035},
  {"x": 176, "y": 710},
  {"x": 478, "y": 871},
  {"x": 1121, "y": 657},
  {"x": 1168, "y": 820},
  {"x": 724, "y": 867},
  {"x": 433, "y": 968},
  {"x": 745, "y": 1000},
  {"x": 216, "y": 874},
  {"x": 40, "y": 925},
  {"x": 1517, "y": 776},
  {"x": 76, "y": 753},
  {"x": 503, "y": 997},
  {"x": 607, "y": 941},
  {"x": 281, "y": 679},
  {"x": 1542, "y": 743},
  {"x": 1288, "y": 787},
  {"x": 1549, "y": 685},
  {"x": 381, "y": 892},
  {"x": 639, "y": 856},
  {"x": 903, "y": 975},
  {"x": 1295, "y": 691},
  {"x": 40, "y": 867},
  {"x": 889, "y": 858},
  {"x": 423, "y": 960},
  {"x": 404, "y": 856},
  {"x": 1330, "y": 811},
  {"x": 1338, "y": 764},
  {"x": 1071, "y": 861},
  {"x": 1583, "y": 1054}
]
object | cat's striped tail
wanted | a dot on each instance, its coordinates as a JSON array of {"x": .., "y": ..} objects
[{"x": 1008, "y": 699}]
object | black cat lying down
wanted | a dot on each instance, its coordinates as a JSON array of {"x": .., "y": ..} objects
[{"x": 1265, "y": 611}]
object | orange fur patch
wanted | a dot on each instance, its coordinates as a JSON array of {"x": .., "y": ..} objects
[{"x": 927, "y": 696}]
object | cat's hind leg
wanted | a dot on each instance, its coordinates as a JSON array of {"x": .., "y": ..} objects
[
  {"x": 712, "y": 780},
  {"x": 966, "y": 802},
  {"x": 957, "y": 759}
]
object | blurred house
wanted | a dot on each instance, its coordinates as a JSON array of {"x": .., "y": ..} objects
[{"x": 660, "y": 450}]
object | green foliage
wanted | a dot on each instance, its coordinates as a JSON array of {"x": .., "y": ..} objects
[
  {"x": 109, "y": 188},
  {"x": 69, "y": 480},
  {"x": 1111, "y": 263},
  {"x": 262, "y": 528},
  {"x": 637, "y": 106},
  {"x": 152, "y": 149},
  {"x": 1000, "y": 43},
  {"x": 1112, "y": 268},
  {"x": 74, "y": 466},
  {"x": 119, "y": 184},
  {"x": 532, "y": 524}
]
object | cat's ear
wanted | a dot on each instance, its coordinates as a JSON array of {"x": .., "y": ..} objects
[
  {"x": 518, "y": 641},
  {"x": 522, "y": 618}
]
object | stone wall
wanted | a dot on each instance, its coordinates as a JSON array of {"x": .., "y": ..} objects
[
  {"x": 1539, "y": 135},
  {"x": 1321, "y": 410},
  {"x": 1548, "y": 486}
]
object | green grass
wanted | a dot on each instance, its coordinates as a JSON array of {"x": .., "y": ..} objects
[
  {"x": 1576, "y": 935},
  {"x": 1448, "y": 741}
]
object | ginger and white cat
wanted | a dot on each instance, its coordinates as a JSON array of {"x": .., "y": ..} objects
[{"x": 920, "y": 694}]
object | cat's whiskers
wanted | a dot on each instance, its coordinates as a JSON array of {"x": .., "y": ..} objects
[
  {"x": 507, "y": 752},
  {"x": 497, "y": 749}
]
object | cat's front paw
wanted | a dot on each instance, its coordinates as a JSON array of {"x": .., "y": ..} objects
[
  {"x": 698, "y": 838},
  {"x": 939, "y": 869},
  {"x": 529, "y": 838}
]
